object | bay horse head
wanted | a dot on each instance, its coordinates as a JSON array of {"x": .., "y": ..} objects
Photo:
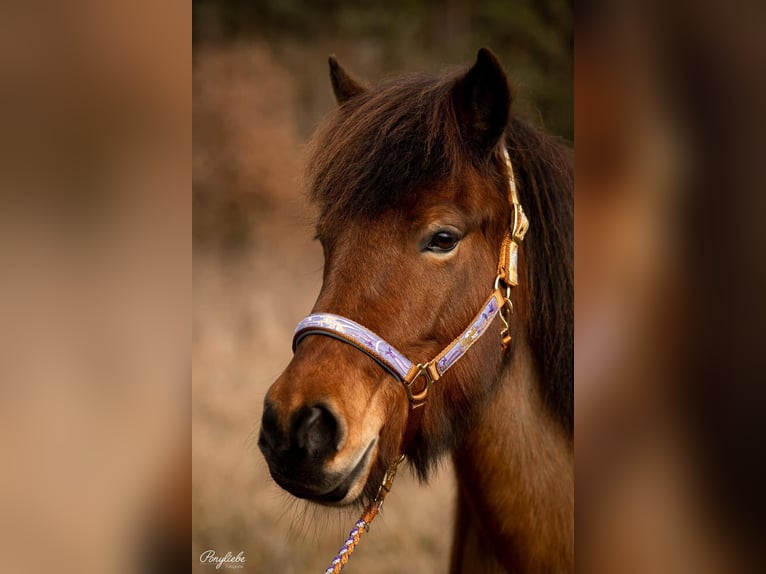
[{"x": 412, "y": 183}]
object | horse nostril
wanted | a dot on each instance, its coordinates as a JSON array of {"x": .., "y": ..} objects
[
  {"x": 315, "y": 431},
  {"x": 271, "y": 435}
]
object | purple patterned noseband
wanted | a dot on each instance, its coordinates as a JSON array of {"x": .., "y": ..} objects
[
  {"x": 388, "y": 357},
  {"x": 399, "y": 366}
]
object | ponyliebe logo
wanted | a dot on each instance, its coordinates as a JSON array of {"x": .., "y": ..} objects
[{"x": 230, "y": 560}]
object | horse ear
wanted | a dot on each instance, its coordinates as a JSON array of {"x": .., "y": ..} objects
[
  {"x": 343, "y": 85},
  {"x": 482, "y": 100}
]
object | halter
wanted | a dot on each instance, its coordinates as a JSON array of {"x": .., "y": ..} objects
[{"x": 407, "y": 372}]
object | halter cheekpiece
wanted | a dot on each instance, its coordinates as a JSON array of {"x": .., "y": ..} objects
[{"x": 407, "y": 372}]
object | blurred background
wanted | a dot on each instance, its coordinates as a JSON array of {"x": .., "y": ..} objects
[{"x": 260, "y": 87}]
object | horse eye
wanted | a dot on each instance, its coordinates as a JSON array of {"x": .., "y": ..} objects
[{"x": 443, "y": 241}]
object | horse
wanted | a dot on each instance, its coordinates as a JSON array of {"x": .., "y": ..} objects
[{"x": 411, "y": 179}]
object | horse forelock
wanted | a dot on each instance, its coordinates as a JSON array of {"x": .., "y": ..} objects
[{"x": 380, "y": 147}]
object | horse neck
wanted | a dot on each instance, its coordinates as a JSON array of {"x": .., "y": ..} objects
[{"x": 515, "y": 477}]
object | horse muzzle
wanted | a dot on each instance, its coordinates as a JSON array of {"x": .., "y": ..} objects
[{"x": 306, "y": 460}]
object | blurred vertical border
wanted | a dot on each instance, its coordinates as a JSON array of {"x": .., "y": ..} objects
[{"x": 671, "y": 271}]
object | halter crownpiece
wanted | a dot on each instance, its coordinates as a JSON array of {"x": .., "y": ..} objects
[
  {"x": 407, "y": 372},
  {"x": 508, "y": 265}
]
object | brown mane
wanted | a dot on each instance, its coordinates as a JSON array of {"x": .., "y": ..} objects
[
  {"x": 388, "y": 143},
  {"x": 545, "y": 174}
]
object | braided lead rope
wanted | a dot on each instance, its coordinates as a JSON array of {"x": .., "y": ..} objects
[{"x": 363, "y": 524}]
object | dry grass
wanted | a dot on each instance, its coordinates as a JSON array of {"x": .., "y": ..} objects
[{"x": 246, "y": 303}]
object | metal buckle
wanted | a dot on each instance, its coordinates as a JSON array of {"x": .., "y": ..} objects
[
  {"x": 388, "y": 481},
  {"x": 505, "y": 316},
  {"x": 505, "y": 313},
  {"x": 418, "y": 398},
  {"x": 520, "y": 223}
]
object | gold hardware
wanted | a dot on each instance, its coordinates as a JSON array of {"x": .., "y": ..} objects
[
  {"x": 508, "y": 267},
  {"x": 510, "y": 252},
  {"x": 430, "y": 374},
  {"x": 520, "y": 223},
  {"x": 388, "y": 481},
  {"x": 505, "y": 315}
]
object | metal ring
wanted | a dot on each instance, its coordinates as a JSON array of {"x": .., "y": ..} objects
[{"x": 421, "y": 396}]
